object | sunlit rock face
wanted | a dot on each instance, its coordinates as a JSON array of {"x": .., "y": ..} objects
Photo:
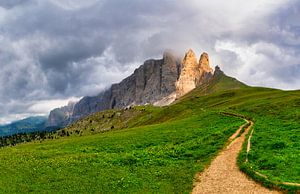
[
  {"x": 158, "y": 82},
  {"x": 193, "y": 73},
  {"x": 206, "y": 71},
  {"x": 188, "y": 75}
]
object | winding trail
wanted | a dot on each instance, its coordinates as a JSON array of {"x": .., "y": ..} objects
[{"x": 223, "y": 174}]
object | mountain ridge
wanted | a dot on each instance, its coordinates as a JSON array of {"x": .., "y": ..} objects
[
  {"x": 27, "y": 125},
  {"x": 158, "y": 82}
]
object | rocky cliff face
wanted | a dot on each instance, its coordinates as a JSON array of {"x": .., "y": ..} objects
[
  {"x": 193, "y": 73},
  {"x": 205, "y": 71},
  {"x": 149, "y": 83},
  {"x": 157, "y": 82},
  {"x": 61, "y": 116}
]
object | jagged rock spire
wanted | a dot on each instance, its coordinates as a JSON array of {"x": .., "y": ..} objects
[
  {"x": 193, "y": 73},
  {"x": 204, "y": 63},
  {"x": 190, "y": 59}
]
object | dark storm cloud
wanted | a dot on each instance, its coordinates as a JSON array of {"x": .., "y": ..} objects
[
  {"x": 68, "y": 36},
  {"x": 52, "y": 50},
  {"x": 12, "y": 3}
]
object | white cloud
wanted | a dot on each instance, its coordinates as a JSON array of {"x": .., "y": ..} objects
[
  {"x": 42, "y": 107},
  {"x": 261, "y": 64},
  {"x": 234, "y": 15},
  {"x": 13, "y": 117},
  {"x": 106, "y": 71}
]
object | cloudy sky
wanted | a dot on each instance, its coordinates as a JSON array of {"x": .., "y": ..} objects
[{"x": 53, "y": 51}]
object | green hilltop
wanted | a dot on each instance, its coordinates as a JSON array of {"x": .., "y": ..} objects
[{"x": 146, "y": 149}]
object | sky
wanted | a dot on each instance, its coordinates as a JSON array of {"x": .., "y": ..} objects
[{"x": 55, "y": 51}]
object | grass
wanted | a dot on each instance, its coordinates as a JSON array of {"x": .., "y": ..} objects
[
  {"x": 159, "y": 150},
  {"x": 275, "y": 146},
  {"x": 151, "y": 159}
]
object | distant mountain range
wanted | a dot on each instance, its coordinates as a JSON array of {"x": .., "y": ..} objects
[{"x": 28, "y": 125}]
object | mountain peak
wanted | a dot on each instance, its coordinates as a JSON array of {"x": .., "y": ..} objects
[
  {"x": 190, "y": 51},
  {"x": 189, "y": 60},
  {"x": 193, "y": 73},
  {"x": 204, "y": 63},
  {"x": 157, "y": 82},
  {"x": 190, "y": 54}
]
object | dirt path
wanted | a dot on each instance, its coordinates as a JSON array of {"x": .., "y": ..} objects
[{"x": 224, "y": 176}]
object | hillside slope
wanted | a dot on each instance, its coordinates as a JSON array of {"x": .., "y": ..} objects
[
  {"x": 28, "y": 125},
  {"x": 160, "y": 149}
]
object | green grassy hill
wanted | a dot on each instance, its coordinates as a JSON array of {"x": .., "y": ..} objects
[{"x": 159, "y": 150}]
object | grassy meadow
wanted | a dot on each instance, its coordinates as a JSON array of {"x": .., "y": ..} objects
[
  {"x": 161, "y": 158},
  {"x": 159, "y": 150}
]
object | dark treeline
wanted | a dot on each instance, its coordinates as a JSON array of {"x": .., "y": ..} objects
[{"x": 13, "y": 140}]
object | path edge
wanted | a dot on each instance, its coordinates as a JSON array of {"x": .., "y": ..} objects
[{"x": 246, "y": 168}]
